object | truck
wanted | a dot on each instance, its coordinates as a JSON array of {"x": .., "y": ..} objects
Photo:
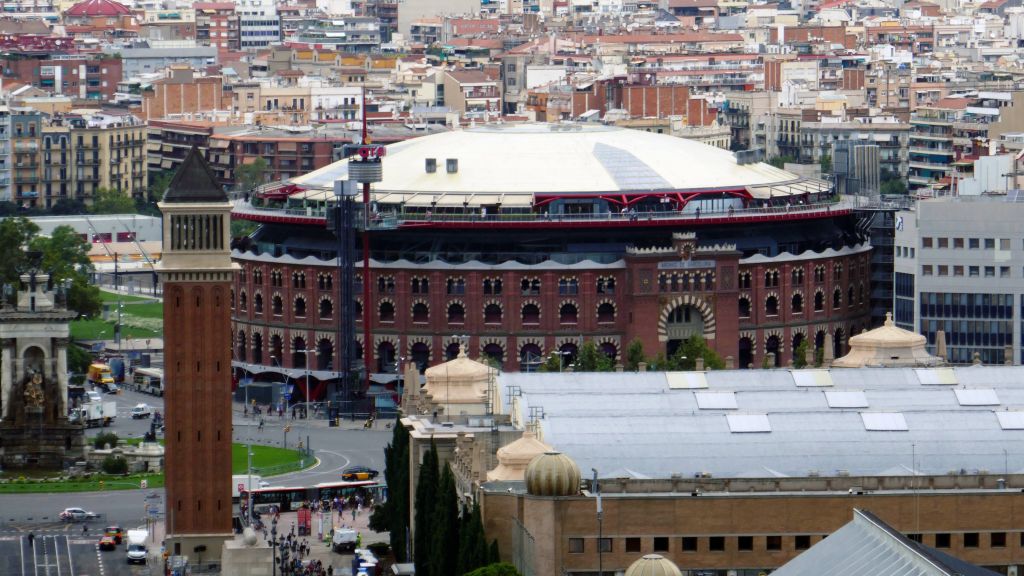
[
  {"x": 344, "y": 540},
  {"x": 241, "y": 482},
  {"x": 95, "y": 414},
  {"x": 137, "y": 546},
  {"x": 100, "y": 376}
]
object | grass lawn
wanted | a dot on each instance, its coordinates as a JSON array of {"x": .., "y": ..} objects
[
  {"x": 149, "y": 309},
  {"x": 102, "y": 330},
  {"x": 279, "y": 460}
]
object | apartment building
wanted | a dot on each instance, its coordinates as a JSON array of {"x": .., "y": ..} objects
[
  {"x": 5, "y": 154},
  {"x": 891, "y": 136},
  {"x": 351, "y": 34},
  {"x": 959, "y": 268},
  {"x": 26, "y": 126},
  {"x": 259, "y": 24},
  {"x": 86, "y": 76},
  {"x": 947, "y": 132},
  {"x": 216, "y": 24},
  {"x": 471, "y": 92},
  {"x": 184, "y": 92}
]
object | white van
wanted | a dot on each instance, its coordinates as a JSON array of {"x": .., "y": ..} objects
[{"x": 137, "y": 546}]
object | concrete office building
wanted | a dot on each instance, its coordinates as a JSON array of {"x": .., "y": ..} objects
[{"x": 959, "y": 267}]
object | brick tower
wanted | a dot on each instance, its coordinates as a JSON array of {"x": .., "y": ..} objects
[{"x": 196, "y": 271}]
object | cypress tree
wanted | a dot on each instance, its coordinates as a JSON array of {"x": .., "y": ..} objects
[
  {"x": 444, "y": 549},
  {"x": 493, "y": 556},
  {"x": 426, "y": 492},
  {"x": 398, "y": 493},
  {"x": 463, "y": 565}
]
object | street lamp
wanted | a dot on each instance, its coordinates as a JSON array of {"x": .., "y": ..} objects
[{"x": 561, "y": 358}]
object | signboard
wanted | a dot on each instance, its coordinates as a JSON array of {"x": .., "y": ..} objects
[{"x": 686, "y": 264}]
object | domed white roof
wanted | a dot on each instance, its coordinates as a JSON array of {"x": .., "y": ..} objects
[
  {"x": 515, "y": 457},
  {"x": 508, "y": 163},
  {"x": 653, "y": 565},
  {"x": 888, "y": 345}
]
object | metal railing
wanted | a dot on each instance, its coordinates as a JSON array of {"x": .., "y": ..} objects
[{"x": 389, "y": 219}]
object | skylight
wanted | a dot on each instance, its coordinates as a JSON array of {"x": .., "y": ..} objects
[
  {"x": 744, "y": 423},
  {"x": 884, "y": 421},
  {"x": 976, "y": 397},
  {"x": 716, "y": 400},
  {"x": 846, "y": 399},
  {"x": 808, "y": 378}
]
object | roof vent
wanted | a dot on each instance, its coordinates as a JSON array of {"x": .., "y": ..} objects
[
  {"x": 453, "y": 165},
  {"x": 431, "y": 165}
]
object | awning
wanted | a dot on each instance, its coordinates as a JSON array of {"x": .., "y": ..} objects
[
  {"x": 286, "y": 147},
  {"x": 166, "y": 164},
  {"x": 215, "y": 143}
]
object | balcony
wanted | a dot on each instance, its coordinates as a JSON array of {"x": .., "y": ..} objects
[
  {"x": 929, "y": 166},
  {"x": 932, "y": 151}
]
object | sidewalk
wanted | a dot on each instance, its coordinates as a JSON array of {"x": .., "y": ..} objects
[
  {"x": 272, "y": 420},
  {"x": 319, "y": 548}
]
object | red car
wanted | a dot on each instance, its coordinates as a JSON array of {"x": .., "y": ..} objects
[
  {"x": 108, "y": 543},
  {"x": 115, "y": 532}
]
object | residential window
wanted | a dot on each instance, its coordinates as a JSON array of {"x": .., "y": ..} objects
[
  {"x": 942, "y": 540},
  {"x": 661, "y": 543},
  {"x": 943, "y": 242},
  {"x": 973, "y": 243},
  {"x": 973, "y": 271},
  {"x": 971, "y": 539},
  {"x": 926, "y": 242},
  {"x": 802, "y": 542},
  {"x": 575, "y": 545},
  {"x": 990, "y": 271},
  {"x": 958, "y": 270},
  {"x": 773, "y": 543},
  {"x": 958, "y": 242},
  {"x": 943, "y": 270},
  {"x": 1004, "y": 271},
  {"x": 632, "y": 544},
  {"x": 716, "y": 543},
  {"x": 926, "y": 270},
  {"x": 990, "y": 243},
  {"x": 997, "y": 540},
  {"x": 1004, "y": 243},
  {"x": 690, "y": 543},
  {"x": 745, "y": 543}
]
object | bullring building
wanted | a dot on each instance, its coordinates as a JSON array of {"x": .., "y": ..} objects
[{"x": 523, "y": 241}]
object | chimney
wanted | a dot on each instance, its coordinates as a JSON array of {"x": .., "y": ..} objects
[{"x": 699, "y": 365}]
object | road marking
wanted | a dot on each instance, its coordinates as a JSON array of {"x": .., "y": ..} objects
[
  {"x": 71, "y": 559},
  {"x": 21, "y": 548}
]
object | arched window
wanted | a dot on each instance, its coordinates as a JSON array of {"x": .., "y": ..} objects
[
  {"x": 744, "y": 307},
  {"x": 456, "y": 313},
  {"x": 849, "y": 296},
  {"x": 242, "y": 301},
  {"x": 662, "y": 282},
  {"x": 257, "y": 348},
  {"x": 257, "y": 276},
  {"x": 420, "y": 313},
  {"x": 530, "y": 286},
  {"x": 492, "y": 314},
  {"x": 798, "y": 303},
  {"x": 298, "y": 280},
  {"x": 605, "y": 313},
  {"x": 325, "y": 281},
  {"x": 232, "y": 295},
  {"x": 386, "y": 284},
  {"x": 531, "y": 314},
  {"x": 819, "y": 301},
  {"x": 798, "y": 276},
  {"x": 387, "y": 312},
  {"x": 257, "y": 303},
  {"x": 568, "y": 313},
  {"x": 606, "y": 285},
  {"x": 837, "y": 298},
  {"x": 299, "y": 352},
  {"x": 771, "y": 279},
  {"x": 709, "y": 281},
  {"x": 455, "y": 286},
  {"x": 771, "y": 306},
  {"x": 300, "y": 307},
  {"x": 837, "y": 272},
  {"x": 745, "y": 280},
  {"x": 819, "y": 274},
  {"x": 242, "y": 349},
  {"x": 357, "y": 310},
  {"x": 568, "y": 286},
  {"x": 420, "y": 286},
  {"x": 326, "y": 309},
  {"x": 277, "y": 305},
  {"x": 495, "y": 353}
]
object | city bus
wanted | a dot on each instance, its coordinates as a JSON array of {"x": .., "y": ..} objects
[
  {"x": 149, "y": 380},
  {"x": 291, "y": 498}
]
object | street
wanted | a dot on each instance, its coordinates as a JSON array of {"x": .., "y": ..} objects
[{"x": 64, "y": 550}]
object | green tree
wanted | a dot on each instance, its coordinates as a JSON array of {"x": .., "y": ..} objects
[
  {"x": 819, "y": 357},
  {"x": 781, "y": 161},
  {"x": 65, "y": 256},
  {"x": 253, "y": 174},
  {"x": 800, "y": 354},
  {"x": 589, "y": 357},
  {"x": 444, "y": 548},
  {"x": 894, "y": 187},
  {"x": 115, "y": 465},
  {"x": 426, "y": 491},
  {"x": 242, "y": 228},
  {"x": 67, "y": 206},
  {"x": 552, "y": 363},
  {"x": 634, "y": 354},
  {"x": 496, "y": 569},
  {"x": 103, "y": 440},
  {"x": 158, "y": 183},
  {"x": 78, "y": 362},
  {"x": 685, "y": 357},
  {"x": 472, "y": 544},
  {"x": 393, "y": 515},
  {"x": 15, "y": 235},
  {"x": 826, "y": 163},
  {"x": 109, "y": 201}
]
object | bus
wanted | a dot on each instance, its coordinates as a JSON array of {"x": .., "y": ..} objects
[
  {"x": 290, "y": 499},
  {"x": 149, "y": 380}
]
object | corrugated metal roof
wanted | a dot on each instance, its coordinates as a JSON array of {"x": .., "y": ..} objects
[
  {"x": 651, "y": 423},
  {"x": 867, "y": 546}
]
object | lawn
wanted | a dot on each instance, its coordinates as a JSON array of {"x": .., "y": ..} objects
[
  {"x": 148, "y": 309},
  {"x": 265, "y": 459},
  {"x": 103, "y": 330}
]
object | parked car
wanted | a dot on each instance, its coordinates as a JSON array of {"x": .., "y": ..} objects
[
  {"x": 108, "y": 543},
  {"x": 76, "y": 515},
  {"x": 358, "y": 473},
  {"x": 141, "y": 411},
  {"x": 115, "y": 532}
]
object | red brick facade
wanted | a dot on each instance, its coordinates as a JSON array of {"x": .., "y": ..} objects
[{"x": 612, "y": 307}]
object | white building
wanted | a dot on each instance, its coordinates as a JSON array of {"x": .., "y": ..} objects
[{"x": 258, "y": 23}]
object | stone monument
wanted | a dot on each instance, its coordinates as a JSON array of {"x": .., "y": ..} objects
[{"x": 34, "y": 335}]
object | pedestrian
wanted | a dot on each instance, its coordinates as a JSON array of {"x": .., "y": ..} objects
[
  {"x": 698, "y": 211},
  {"x": 355, "y": 512},
  {"x": 31, "y": 540},
  {"x": 293, "y": 412},
  {"x": 245, "y": 411},
  {"x": 261, "y": 425}
]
